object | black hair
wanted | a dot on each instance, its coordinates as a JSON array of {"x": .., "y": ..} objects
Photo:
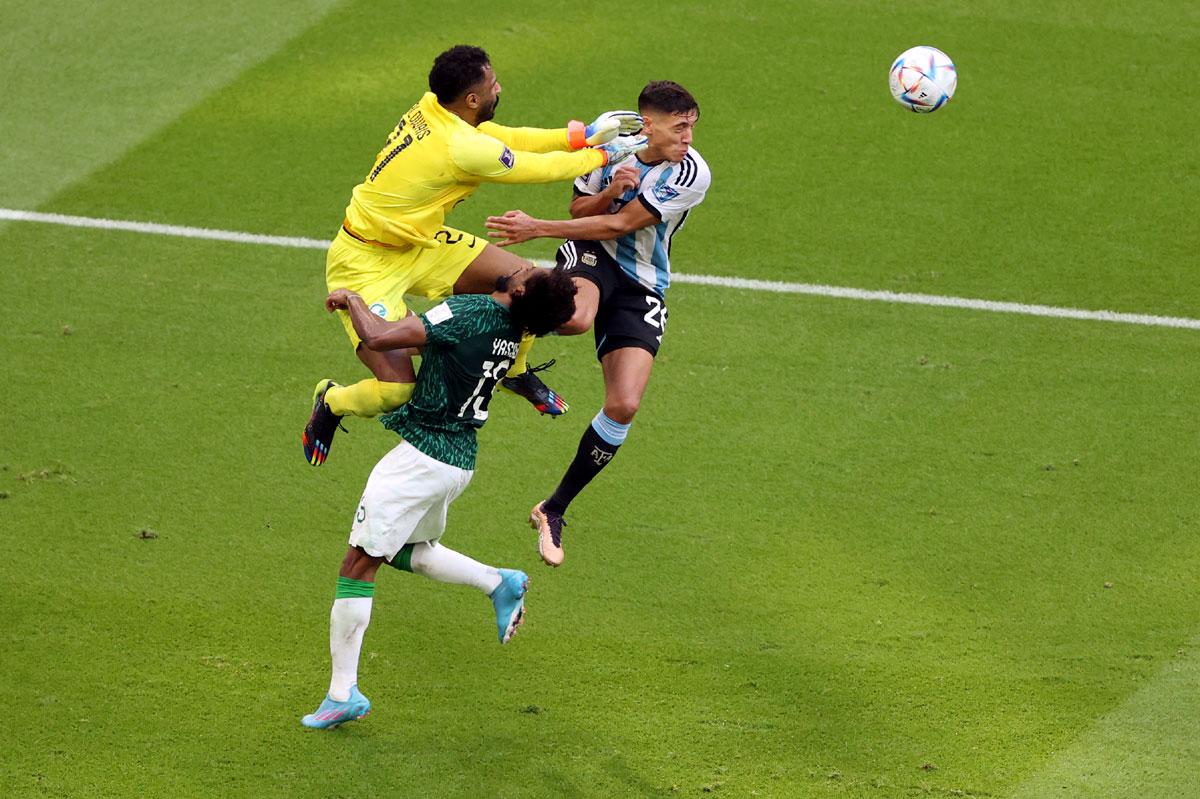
[
  {"x": 667, "y": 96},
  {"x": 547, "y": 303},
  {"x": 457, "y": 70}
]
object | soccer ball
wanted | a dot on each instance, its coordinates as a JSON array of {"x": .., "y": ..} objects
[{"x": 923, "y": 79}]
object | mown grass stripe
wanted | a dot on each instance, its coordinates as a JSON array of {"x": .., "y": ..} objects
[{"x": 1136, "y": 750}]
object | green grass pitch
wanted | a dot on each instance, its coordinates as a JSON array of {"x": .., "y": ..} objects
[{"x": 851, "y": 549}]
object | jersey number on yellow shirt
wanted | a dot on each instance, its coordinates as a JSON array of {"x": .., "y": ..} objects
[{"x": 420, "y": 129}]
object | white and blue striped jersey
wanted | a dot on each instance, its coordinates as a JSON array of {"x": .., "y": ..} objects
[{"x": 669, "y": 191}]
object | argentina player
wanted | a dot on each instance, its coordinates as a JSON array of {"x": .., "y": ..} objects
[{"x": 618, "y": 253}]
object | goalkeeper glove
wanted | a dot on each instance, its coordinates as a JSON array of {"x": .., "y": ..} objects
[
  {"x": 607, "y": 127},
  {"x": 621, "y": 148}
]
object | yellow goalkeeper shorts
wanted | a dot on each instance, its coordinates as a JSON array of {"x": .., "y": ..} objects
[{"x": 382, "y": 275}]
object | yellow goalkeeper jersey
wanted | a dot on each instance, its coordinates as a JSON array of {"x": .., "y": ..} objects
[{"x": 433, "y": 160}]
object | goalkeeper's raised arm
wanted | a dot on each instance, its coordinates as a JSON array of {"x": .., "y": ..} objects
[
  {"x": 575, "y": 136},
  {"x": 483, "y": 158}
]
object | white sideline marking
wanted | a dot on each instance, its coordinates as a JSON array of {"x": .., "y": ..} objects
[
  {"x": 941, "y": 301},
  {"x": 163, "y": 230},
  {"x": 703, "y": 280}
]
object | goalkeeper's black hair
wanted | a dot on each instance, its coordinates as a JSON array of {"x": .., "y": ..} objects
[
  {"x": 457, "y": 70},
  {"x": 667, "y": 96},
  {"x": 547, "y": 303}
]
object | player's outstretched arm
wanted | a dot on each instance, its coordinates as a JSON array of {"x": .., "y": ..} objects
[
  {"x": 575, "y": 136},
  {"x": 376, "y": 333},
  {"x": 548, "y": 167},
  {"x": 544, "y": 167},
  {"x": 517, "y": 226},
  {"x": 485, "y": 158},
  {"x": 529, "y": 140}
]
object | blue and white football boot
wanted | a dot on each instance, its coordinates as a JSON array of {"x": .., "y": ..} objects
[
  {"x": 509, "y": 601},
  {"x": 332, "y": 713}
]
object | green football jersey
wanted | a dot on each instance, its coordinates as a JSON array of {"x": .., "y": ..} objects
[{"x": 471, "y": 342}]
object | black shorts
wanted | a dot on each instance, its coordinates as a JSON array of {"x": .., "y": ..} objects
[{"x": 630, "y": 315}]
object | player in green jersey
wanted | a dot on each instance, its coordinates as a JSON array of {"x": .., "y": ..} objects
[{"x": 469, "y": 342}]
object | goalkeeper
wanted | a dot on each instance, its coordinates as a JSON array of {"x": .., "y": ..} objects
[{"x": 393, "y": 240}]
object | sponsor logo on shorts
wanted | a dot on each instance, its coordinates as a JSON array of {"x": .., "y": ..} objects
[
  {"x": 589, "y": 258},
  {"x": 379, "y": 309},
  {"x": 507, "y": 158}
]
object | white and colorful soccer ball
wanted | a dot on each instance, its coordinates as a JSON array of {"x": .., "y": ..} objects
[{"x": 923, "y": 79}]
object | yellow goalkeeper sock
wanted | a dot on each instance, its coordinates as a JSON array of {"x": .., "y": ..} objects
[
  {"x": 521, "y": 362},
  {"x": 368, "y": 397}
]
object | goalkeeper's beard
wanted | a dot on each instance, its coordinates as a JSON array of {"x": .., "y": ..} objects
[{"x": 489, "y": 114}]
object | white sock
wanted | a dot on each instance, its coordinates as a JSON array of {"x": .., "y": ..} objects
[
  {"x": 347, "y": 622},
  {"x": 443, "y": 564}
]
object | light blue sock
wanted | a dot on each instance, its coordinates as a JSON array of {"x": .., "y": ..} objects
[{"x": 614, "y": 433}]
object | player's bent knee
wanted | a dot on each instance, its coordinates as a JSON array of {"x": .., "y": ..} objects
[
  {"x": 622, "y": 410},
  {"x": 393, "y": 395},
  {"x": 390, "y": 366}
]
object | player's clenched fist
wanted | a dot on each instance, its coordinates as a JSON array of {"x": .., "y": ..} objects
[
  {"x": 339, "y": 300},
  {"x": 623, "y": 179}
]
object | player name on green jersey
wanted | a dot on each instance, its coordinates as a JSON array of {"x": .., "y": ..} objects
[{"x": 471, "y": 343}]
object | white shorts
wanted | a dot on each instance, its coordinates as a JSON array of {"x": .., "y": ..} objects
[{"x": 405, "y": 501}]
